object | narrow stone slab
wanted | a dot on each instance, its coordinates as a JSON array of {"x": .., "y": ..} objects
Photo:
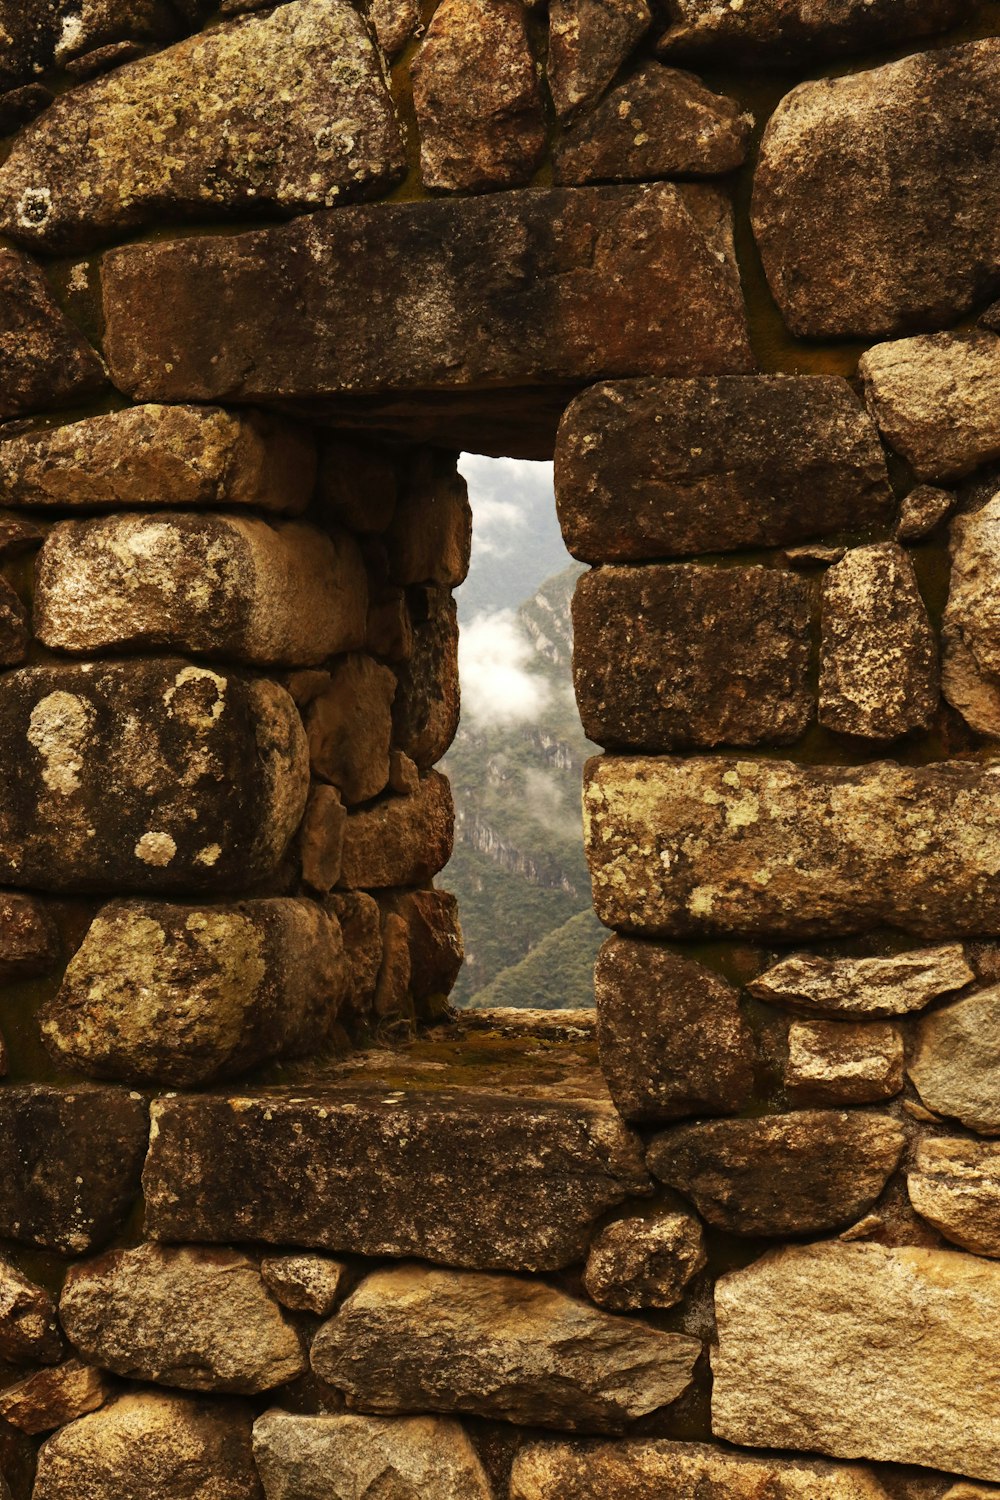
[
  {"x": 456, "y": 1175},
  {"x": 862, "y": 1352},
  {"x": 954, "y": 1184},
  {"x": 210, "y": 771},
  {"x": 497, "y": 1346},
  {"x": 29, "y": 1328},
  {"x": 283, "y": 594},
  {"x": 47, "y": 363},
  {"x": 867, "y": 988},
  {"x": 715, "y": 656},
  {"x": 161, "y": 455},
  {"x": 398, "y": 297},
  {"x": 288, "y": 110},
  {"x": 653, "y": 468},
  {"x": 50, "y": 1398},
  {"x": 770, "y": 31},
  {"x": 716, "y": 845},
  {"x": 956, "y": 1061},
  {"x": 881, "y": 264},
  {"x": 589, "y": 40},
  {"x": 970, "y": 673}
]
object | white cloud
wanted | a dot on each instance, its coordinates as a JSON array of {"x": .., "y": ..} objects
[
  {"x": 503, "y": 492},
  {"x": 493, "y": 655}
]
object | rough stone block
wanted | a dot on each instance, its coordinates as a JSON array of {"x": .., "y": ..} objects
[
  {"x": 429, "y": 539},
  {"x": 29, "y": 1329},
  {"x": 954, "y": 1184},
  {"x": 771, "y": 31},
  {"x": 834, "y": 1062},
  {"x": 653, "y": 468},
  {"x": 358, "y": 485},
  {"x": 51, "y": 1398},
  {"x": 588, "y": 42},
  {"x": 29, "y": 941},
  {"x": 287, "y": 110},
  {"x": 306, "y": 1283},
  {"x": 862, "y": 1352},
  {"x": 47, "y": 363},
  {"x": 866, "y": 988},
  {"x": 644, "y": 1262},
  {"x": 716, "y": 845},
  {"x": 426, "y": 710},
  {"x": 399, "y": 297},
  {"x": 349, "y": 726},
  {"x": 433, "y": 937},
  {"x": 209, "y": 768},
  {"x": 459, "y": 1176},
  {"x": 161, "y": 455},
  {"x": 400, "y": 840},
  {"x": 684, "y": 656},
  {"x": 956, "y": 1060},
  {"x": 970, "y": 674},
  {"x": 231, "y": 586}
]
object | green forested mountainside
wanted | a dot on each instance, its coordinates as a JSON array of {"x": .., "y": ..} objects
[{"x": 519, "y": 869}]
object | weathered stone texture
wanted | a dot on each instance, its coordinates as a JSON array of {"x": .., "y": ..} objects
[
  {"x": 862, "y": 1352},
  {"x": 287, "y": 110},
  {"x": 956, "y": 1061},
  {"x": 497, "y": 1346},
  {"x": 922, "y": 512},
  {"x": 210, "y": 771},
  {"x": 833, "y": 1062},
  {"x": 878, "y": 674},
  {"x": 395, "y": 22},
  {"x": 659, "y": 123},
  {"x": 800, "y": 1173},
  {"x": 349, "y": 726},
  {"x": 649, "y": 468},
  {"x": 655, "y": 1469},
  {"x": 399, "y": 297},
  {"x": 358, "y": 485},
  {"x": 186, "y": 994},
  {"x": 936, "y": 400},
  {"x": 429, "y": 539},
  {"x": 716, "y": 845},
  {"x": 29, "y": 941},
  {"x": 51, "y": 1398},
  {"x": 672, "y": 1039},
  {"x": 460, "y": 1176},
  {"x": 305, "y": 1283},
  {"x": 321, "y": 838},
  {"x": 400, "y": 840},
  {"x": 70, "y": 1162},
  {"x": 588, "y": 42},
  {"x": 345, "y": 1457},
  {"x": 425, "y": 713},
  {"x": 233, "y": 586},
  {"x": 904, "y": 258},
  {"x": 28, "y": 1327},
  {"x": 47, "y": 363},
  {"x": 768, "y": 31},
  {"x": 969, "y": 635},
  {"x": 866, "y": 987},
  {"x": 145, "y": 1445},
  {"x": 644, "y": 1262},
  {"x": 196, "y": 1318},
  {"x": 954, "y": 1184},
  {"x": 714, "y": 656},
  {"x": 477, "y": 97},
  {"x": 161, "y": 455}
]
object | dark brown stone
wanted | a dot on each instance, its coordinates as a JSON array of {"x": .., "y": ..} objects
[
  {"x": 400, "y": 840},
  {"x": 647, "y": 1261},
  {"x": 350, "y": 726},
  {"x": 450, "y": 1174},
  {"x": 775, "y": 31},
  {"x": 588, "y": 42},
  {"x": 671, "y": 1036},
  {"x": 361, "y": 926},
  {"x": 15, "y": 637},
  {"x": 922, "y": 512},
  {"x": 29, "y": 1328},
  {"x": 400, "y": 298},
  {"x": 689, "y": 657},
  {"x": 51, "y": 1398},
  {"x": 478, "y": 98},
  {"x": 29, "y": 942},
  {"x": 649, "y": 468},
  {"x": 802, "y": 1173},
  {"x": 659, "y": 123},
  {"x": 321, "y": 838},
  {"x": 837, "y": 1063},
  {"x": 426, "y": 710},
  {"x": 909, "y": 257},
  {"x": 17, "y": 106},
  {"x": 70, "y": 1161},
  {"x": 434, "y": 940},
  {"x": 46, "y": 362},
  {"x": 103, "y": 59},
  {"x": 395, "y": 22},
  {"x": 430, "y": 537},
  {"x": 357, "y": 486}
]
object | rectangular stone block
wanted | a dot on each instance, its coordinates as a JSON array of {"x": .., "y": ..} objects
[
  {"x": 717, "y": 846},
  {"x": 678, "y": 657},
  {"x": 401, "y": 297}
]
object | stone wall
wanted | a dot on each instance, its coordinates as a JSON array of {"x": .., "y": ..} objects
[{"x": 274, "y": 1223}]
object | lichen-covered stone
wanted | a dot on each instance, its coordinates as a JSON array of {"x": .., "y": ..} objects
[
  {"x": 349, "y": 726},
  {"x": 210, "y": 771},
  {"x": 234, "y": 586},
  {"x": 196, "y": 1318},
  {"x": 895, "y": 261},
  {"x": 29, "y": 1331},
  {"x": 400, "y": 840},
  {"x": 650, "y": 468},
  {"x": 588, "y": 42},
  {"x": 47, "y": 363},
  {"x": 497, "y": 1346},
  {"x": 305, "y": 1283},
  {"x": 455, "y": 1175},
  {"x": 956, "y": 1060},
  {"x": 775, "y": 31},
  {"x": 426, "y": 709},
  {"x": 659, "y": 122},
  {"x": 969, "y": 635},
  {"x": 287, "y": 110},
  {"x": 644, "y": 1262},
  {"x": 70, "y": 1161},
  {"x": 717, "y": 845},
  {"x": 399, "y": 297},
  {"x": 935, "y": 399},
  {"x": 161, "y": 455},
  {"x": 345, "y": 1457},
  {"x": 187, "y": 994},
  {"x": 51, "y": 1398},
  {"x": 672, "y": 1039},
  {"x": 866, "y": 988},
  {"x": 954, "y": 1184},
  {"x": 862, "y": 1352},
  {"x": 146, "y": 1444},
  {"x": 653, "y": 1469},
  {"x": 29, "y": 941},
  {"x": 922, "y": 512},
  {"x": 395, "y": 22},
  {"x": 800, "y": 1173},
  {"x": 835, "y": 1062},
  {"x": 878, "y": 672},
  {"x": 715, "y": 656},
  {"x": 477, "y": 97}
]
